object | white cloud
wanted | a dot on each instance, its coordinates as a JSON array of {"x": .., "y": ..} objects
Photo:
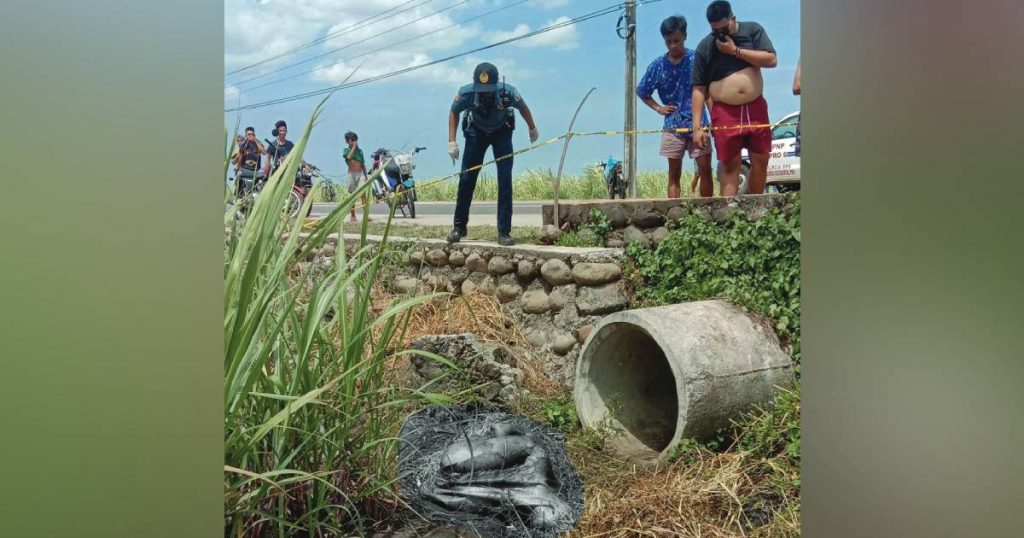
[
  {"x": 564, "y": 38},
  {"x": 548, "y": 4},
  {"x": 454, "y": 73},
  {"x": 255, "y": 32}
]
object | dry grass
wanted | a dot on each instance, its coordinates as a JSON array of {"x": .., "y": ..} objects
[
  {"x": 485, "y": 317},
  {"x": 713, "y": 495}
]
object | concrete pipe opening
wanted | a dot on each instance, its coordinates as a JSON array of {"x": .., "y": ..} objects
[{"x": 655, "y": 376}]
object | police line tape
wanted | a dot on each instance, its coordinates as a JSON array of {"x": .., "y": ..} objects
[{"x": 680, "y": 130}]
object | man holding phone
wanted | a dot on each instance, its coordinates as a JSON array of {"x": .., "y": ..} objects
[
  {"x": 246, "y": 159},
  {"x": 728, "y": 66}
]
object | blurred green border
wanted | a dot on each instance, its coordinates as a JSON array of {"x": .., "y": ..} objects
[
  {"x": 112, "y": 269},
  {"x": 912, "y": 363}
]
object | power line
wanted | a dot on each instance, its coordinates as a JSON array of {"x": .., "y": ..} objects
[
  {"x": 387, "y": 47},
  {"x": 338, "y": 33},
  {"x": 594, "y": 14},
  {"x": 350, "y": 45}
]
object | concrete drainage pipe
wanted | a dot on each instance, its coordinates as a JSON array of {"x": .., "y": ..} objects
[{"x": 655, "y": 376}]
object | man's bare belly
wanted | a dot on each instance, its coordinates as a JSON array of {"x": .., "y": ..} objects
[{"x": 739, "y": 88}]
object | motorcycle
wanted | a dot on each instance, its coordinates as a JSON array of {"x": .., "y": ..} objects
[
  {"x": 250, "y": 182},
  {"x": 301, "y": 187},
  {"x": 614, "y": 179},
  {"x": 395, "y": 184}
]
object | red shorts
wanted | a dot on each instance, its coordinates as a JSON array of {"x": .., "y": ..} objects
[{"x": 730, "y": 142}]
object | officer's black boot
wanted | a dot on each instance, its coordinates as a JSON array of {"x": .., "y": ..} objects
[
  {"x": 457, "y": 235},
  {"x": 505, "y": 240}
]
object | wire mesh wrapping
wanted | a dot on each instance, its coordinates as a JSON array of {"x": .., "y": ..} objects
[{"x": 484, "y": 470}]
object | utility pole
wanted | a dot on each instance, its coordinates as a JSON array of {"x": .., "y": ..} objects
[{"x": 629, "y": 151}]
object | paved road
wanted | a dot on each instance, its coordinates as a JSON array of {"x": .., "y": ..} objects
[{"x": 440, "y": 213}]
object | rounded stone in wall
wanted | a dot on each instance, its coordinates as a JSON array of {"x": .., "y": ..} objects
[
  {"x": 537, "y": 338},
  {"x": 614, "y": 243},
  {"x": 408, "y": 285},
  {"x": 561, "y": 296},
  {"x": 659, "y": 235},
  {"x": 593, "y": 274},
  {"x": 482, "y": 283},
  {"x": 457, "y": 258},
  {"x": 635, "y": 235},
  {"x": 509, "y": 292},
  {"x": 723, "y": 214},
  {"x": 600, "y": 300},
  {"x": 678, "y": 213},
  {"x": 527, "y": 269},
  {"x": 556, "y": 272},
  {"x": 437, "y": 257},
  {"x": 476, "y": 263},
  {"x": 617, "y": 215},
  {"x": 563, "y": 343},
  {"x": 646, "y": 217},
  {"x": 416, "y": 258},
  {"x": 499, "y": 265},
  {"x": 459, "y": 275},
  {"x": 535, "y": 302}
]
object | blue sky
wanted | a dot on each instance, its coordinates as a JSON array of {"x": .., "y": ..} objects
[{"x": 553, "y": 71}]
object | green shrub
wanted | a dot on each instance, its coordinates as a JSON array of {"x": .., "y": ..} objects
[
  {"x": 560, "y": 413},
  {"x": 308, "y": 421},
  {"x": 753, "y": 263}
]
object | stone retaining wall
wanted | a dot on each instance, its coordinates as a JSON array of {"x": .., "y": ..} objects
[
  {"x": 648, "y": 221},
  {"x": 554, "y": 293}
]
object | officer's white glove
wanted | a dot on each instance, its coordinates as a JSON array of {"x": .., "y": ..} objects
[
  {"x": 534, "y": 135},
  {"x": 453, "y": 151}
]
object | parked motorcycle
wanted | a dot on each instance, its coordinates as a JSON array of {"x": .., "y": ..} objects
[
  {"x": 614, "y": 179},
  {"x": 395, "y": 184},
  {"x": 249, "y": 183}
]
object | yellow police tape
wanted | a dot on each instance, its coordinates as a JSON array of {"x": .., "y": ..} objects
[{"x": 539, "y": 145}]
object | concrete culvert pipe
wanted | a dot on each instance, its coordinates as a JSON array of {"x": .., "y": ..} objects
[{"x": 655, "y": 376}]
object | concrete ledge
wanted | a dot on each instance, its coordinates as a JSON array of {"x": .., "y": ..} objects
[
  {"x": 625, "y": 212},
  {"x": 545, "y": 252}
]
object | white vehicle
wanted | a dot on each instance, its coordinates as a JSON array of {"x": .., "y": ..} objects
[{"x": 784, "y": 164}]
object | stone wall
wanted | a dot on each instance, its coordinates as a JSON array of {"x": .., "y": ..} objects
[
  {"x": 648, "y": 221},
  {"x": 554, "y": 293}
]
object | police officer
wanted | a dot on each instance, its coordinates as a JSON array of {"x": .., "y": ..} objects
[{"x": 488, "y": 121}]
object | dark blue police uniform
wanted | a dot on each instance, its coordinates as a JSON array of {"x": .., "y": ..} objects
[{"x": 489, "y": 123}]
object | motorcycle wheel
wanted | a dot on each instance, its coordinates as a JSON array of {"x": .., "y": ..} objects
[
  {"x": 399, "y": 200},
  {"x": 294, "y": 204},
  {"x": 410, "y": 198}
]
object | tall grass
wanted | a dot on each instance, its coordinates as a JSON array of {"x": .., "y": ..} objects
[
  {"x": 539, "y": 185},
  {"x": 308, "y": 420}
]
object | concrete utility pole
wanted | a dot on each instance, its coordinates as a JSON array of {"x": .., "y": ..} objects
[{"x": 629, "y": 151}]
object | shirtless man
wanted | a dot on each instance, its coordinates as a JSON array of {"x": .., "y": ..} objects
[{"x": 728, "y": 64}]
